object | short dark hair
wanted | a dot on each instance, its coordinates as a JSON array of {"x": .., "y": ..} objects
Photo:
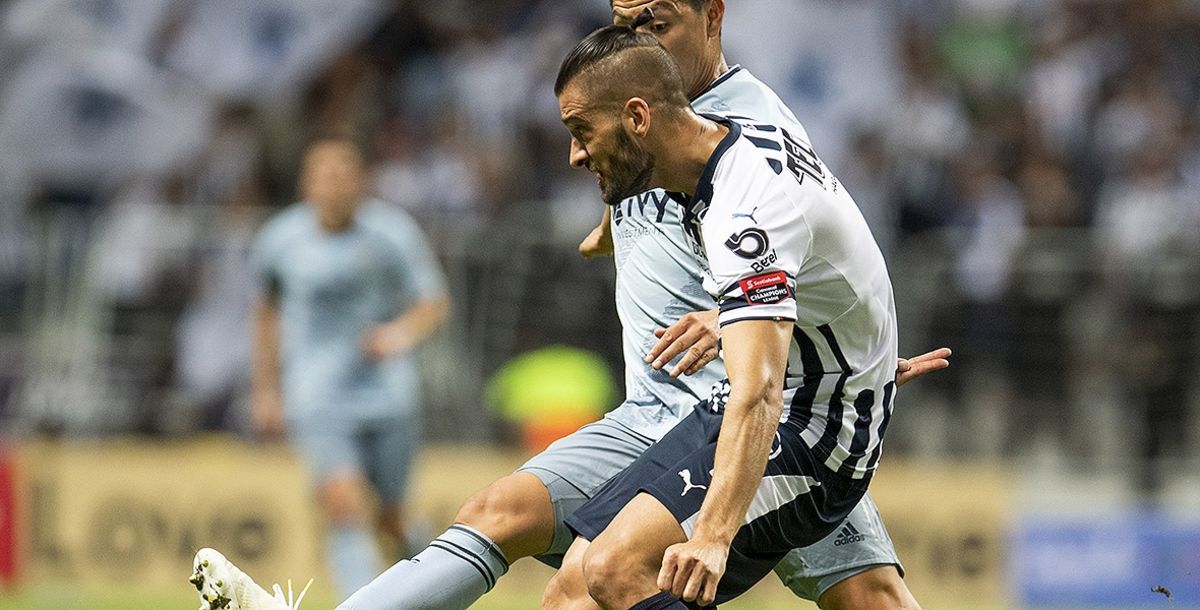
[{"x": 628, "y": 62}]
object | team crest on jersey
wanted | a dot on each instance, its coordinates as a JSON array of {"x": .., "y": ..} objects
[{"x": 766, "y": 289}]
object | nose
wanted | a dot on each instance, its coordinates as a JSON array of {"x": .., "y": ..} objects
[{"x": 579, "y": 155}]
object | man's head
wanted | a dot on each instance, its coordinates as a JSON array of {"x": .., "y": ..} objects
[
  {"x": 609, "y": 89},
  {"x": 688, "y": 29},
  {"x": 333, "y": 180}
]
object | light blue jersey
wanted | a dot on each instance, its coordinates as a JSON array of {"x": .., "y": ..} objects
[
  {"x": 330, "y": 289},
  {"x": 658, "y": 278}
]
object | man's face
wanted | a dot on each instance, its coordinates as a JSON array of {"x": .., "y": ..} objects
[
  {"x": 332, "y": 182},
  {"x": 600, "y": 144},
  {"x": 679, "y": 28}
]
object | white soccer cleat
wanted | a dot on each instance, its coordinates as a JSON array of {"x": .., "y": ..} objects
[{"x": 222, "y": 586}]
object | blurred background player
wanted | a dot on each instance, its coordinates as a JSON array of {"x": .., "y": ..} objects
[{"x": 349, "y": 287}]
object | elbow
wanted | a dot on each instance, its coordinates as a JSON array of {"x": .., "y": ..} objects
[
  {"x": 438, "y": 309},
  {"x": 772, "y": 407},
  {"x": 767, "y": 401}
]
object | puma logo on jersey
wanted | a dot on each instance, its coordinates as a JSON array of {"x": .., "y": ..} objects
[
  {"x": 686, "y": 475},
  {"x": 750, "y": 215}
]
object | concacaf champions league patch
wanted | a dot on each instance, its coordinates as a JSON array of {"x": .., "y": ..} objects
[{"x": 766, "y": 289}]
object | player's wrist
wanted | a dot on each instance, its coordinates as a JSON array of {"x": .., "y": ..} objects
[
  {"x": 715, "y": 529},
  {"x": 713, "y": 536}
]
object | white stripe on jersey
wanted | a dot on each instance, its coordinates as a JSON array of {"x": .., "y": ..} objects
[{"x": 783, "y": 240}]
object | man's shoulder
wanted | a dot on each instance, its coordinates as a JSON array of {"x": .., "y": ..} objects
[
  {"x": 739, "y": 94},
  {"x": 291, "y": 222},
  {"x": 380, "y": 215}
]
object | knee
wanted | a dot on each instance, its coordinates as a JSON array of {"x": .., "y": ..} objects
[
  {"x": 881, "y": 588},
  {"x": 391, "y": 523},
  {"x": 505, "y": 512},
  {"x": 562, "y": 591},
  {"x": 345, "y": 501},
  {"x": 606, "y": 573}
]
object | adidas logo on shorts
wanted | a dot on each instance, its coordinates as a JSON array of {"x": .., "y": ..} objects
[{"x": 848, "y": 535}]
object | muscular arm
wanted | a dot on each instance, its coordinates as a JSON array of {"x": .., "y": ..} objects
[
  {"x": 696, "y": 336},
  {"x": 756, "y": 361}
]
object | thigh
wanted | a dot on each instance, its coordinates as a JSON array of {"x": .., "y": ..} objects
[
  {"x": 388, "y": 448},
  {"x": 573, "y": 468},
  {"x": 798, "y": 502},
  {"x": 858, "y": 544},
  {"x": 690, "y": 435},
  {"x": 329, "y": 450}
]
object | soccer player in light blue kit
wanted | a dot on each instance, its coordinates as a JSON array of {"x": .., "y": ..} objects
[
  {"x": 349, "y": 287},
  {"x": 669, "y": 336}
]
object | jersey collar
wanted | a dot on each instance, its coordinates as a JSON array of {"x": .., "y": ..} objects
[
  {"x": 703, "y": 193},
  {"x": 717, "y": 83}
]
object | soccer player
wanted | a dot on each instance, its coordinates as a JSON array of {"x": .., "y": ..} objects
[
  {"x": 349, "y": 287},
  {"x": 658, "y": 287},
  {"x": 782, "y": 451}
]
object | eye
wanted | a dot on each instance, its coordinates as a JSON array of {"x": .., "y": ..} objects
[{"x": 659, "y": 27}]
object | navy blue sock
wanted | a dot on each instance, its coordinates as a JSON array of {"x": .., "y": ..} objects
[{"x": 662, "y": 601}]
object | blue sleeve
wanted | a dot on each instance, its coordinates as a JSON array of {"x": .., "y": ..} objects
[
  {"x": 264, "y": 260},
  {"x": 418, "y": 272}
]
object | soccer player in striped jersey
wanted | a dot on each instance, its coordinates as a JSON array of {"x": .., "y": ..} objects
[
  {"x": 658, "y": 292},
  {"x": 783, "y": 450}
]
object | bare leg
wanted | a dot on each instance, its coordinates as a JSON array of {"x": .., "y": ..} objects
[
  {"x": 515, "y": 512},
  {"x": 621, "y": 565},
  {"x": 880, "y": 588},
  {"x": 567, "y": 590}
]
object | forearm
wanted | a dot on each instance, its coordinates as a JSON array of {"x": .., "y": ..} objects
[
  {"x": 422, "y": 319},
  {"x": 744, "y": 443},
  {"x": 265, "y": 365}
]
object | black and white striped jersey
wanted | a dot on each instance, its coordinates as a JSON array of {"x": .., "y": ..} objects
[{"x": 781, "y": 239}]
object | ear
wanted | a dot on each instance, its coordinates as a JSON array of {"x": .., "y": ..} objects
[
  {"x": 715, "y": 17},
  {"x": 636, "y": 117}
]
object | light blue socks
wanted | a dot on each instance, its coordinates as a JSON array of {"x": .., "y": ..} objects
[{"x": 454, "y": 571}]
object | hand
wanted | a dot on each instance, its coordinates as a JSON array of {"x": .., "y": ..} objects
[
  {"x": 598, "y": 243},
  {"x": 691, "y": 571},
  {"x": 386, "y": 340},
  {"x": 696, "y": 333},
  {"x": 911, "y": 368},
  {"x": 266, "y": 413}
]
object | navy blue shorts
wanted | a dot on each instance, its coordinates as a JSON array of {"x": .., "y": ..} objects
[{"x": 798, "y": 502}]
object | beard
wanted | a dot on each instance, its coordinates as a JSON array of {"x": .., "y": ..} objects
[{"x": 631, "y": 171}]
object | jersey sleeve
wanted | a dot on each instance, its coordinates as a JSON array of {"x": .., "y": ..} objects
[
  {"x": 419, "y": 274},
  {"x": 265, "y": 256},
  {"x": 756, "y": 241}
]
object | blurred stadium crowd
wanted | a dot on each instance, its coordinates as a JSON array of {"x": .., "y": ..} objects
[{"x": 1031, "y": 167}]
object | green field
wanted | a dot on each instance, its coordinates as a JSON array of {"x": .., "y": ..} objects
[
  {"x": 52, "y": 601},
  {"x": 519, "y": 590}
]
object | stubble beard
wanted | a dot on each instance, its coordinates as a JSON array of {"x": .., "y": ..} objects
[{"x": 633, "y": 169}]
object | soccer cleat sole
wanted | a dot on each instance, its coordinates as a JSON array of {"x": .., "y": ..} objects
[{"x": 210, "y": 582}]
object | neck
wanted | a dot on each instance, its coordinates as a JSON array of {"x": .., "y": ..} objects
[
  {"x": 718, "y": 67},
  {"x": 681, "y": 156}
]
